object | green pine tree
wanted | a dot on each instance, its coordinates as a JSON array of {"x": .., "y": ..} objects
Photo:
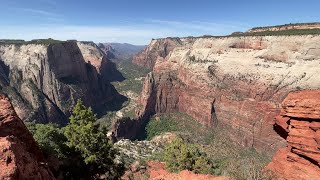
[{"x": 92, "y": 143}]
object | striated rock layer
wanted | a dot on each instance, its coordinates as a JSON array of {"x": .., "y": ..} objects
[
  {"x": 44, "y": 81},
  {"x": 299, "y": 124},
  {"x": 286, "y": 27},
  {"x": 20, "y": 156},
  {"x": 237, "y": 83}
]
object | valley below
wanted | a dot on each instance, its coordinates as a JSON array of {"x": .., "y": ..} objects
[{"x": 244, "y": 106}]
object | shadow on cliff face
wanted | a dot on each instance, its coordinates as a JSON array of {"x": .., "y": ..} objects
[
  {"x": 4, "y": 69},
  {"x": 108, "y": 73},
  {"x": 109, "y": 69},
  {"x": 4, "y": 74},
  {"x": 111, "y": 73}
]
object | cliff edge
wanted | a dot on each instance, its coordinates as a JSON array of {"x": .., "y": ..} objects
[{"x": 20, "y": 156}]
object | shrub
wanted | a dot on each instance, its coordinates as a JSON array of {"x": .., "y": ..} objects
[
  {"x": 50, "y": 138},
  {"x": 182, "y": 156}
]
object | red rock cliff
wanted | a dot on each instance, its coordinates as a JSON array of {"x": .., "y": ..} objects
[
  {"x": 20, "y": 156},
  {"x": 299, "y": 124}
]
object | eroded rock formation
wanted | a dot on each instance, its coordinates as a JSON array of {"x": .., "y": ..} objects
[
  {"x": 44, "y": 81},
  {"x": 20, "y": 156},
  {"x": 299, "y": 124},
  {"x": 234, "y": 82},
  {"x": 157, "y": 50}
]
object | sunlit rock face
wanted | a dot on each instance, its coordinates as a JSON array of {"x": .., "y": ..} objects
[
  {"x": 299, "y": 124},
  {"x": 20, "y": 156},
  {"x": 44, "y": 81},
  {"x": 303, "y": 26},
  {"x": 233, "y": 82}
]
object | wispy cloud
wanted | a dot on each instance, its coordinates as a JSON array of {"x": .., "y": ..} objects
[
  {"x": 51, "y": 2},
  {"x": 136, "y": 32},
  {"x": 209, "y": 27},
  {"x": 38, "y": 12}
]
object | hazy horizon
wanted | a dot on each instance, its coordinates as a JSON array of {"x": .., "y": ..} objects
[{"x": 137, "y": 22}]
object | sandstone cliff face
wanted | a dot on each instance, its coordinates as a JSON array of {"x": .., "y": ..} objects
[
  {"x": 20, "y": 156},
  {"x": 299, "y": 124},
  {"x": 236, "y": 82},
  {"x": 157, "y": 50},
  {"x": 44, "y": 81}
]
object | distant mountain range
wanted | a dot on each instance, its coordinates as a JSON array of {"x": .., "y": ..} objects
[{"x": 120, "y": 51}]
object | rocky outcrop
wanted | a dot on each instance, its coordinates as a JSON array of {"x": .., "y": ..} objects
[
  {"x": 299, "y": 124},
  {"x": 45, "y": 80},
  {"x": 237, "y": 83},
  {"x": 20, "y": 156},
  {"x": 156, "y": 51},
  {"x": 286, "y": 27}
]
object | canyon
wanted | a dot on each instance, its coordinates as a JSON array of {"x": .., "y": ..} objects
[
  {"x": 44, "y": 81},
  {"x": 234, "y": 83},
  {"x": 262, "y": 90},
  {"x": 120, "y": 51}
]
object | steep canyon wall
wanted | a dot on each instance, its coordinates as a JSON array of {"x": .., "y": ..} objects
[{"x": 237, "y": 83}]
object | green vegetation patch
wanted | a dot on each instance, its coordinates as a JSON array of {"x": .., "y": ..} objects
[
  {"x": 50, "y": 138},
  {"x": 158, "y": 126},
  {"x": 82, "y": 148},
  {"x": 179, "y": 123},
  {"x": 180, "y": 155},
  {"x": 133, "y": 74}
]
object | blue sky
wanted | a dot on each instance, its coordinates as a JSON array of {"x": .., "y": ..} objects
[{"x": 138, "y": 21}]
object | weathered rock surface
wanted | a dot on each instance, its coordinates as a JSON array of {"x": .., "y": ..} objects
[
  {"x": 20, "y": 156},
  {"x": 236, "y": 82},
  {"x": 299, "y": 124},
  {"x": 44, "y": 81}
]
